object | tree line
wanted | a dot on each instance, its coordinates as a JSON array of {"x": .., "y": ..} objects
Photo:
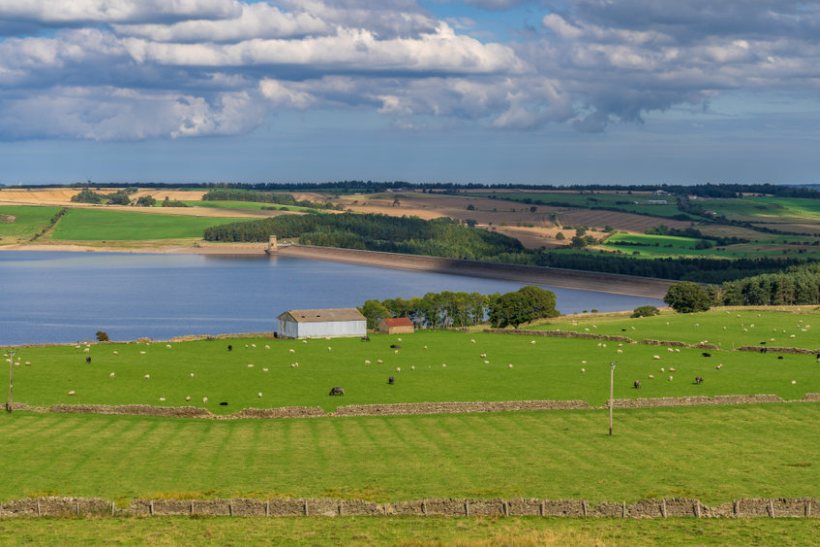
[
  {"x": 442, "y": 237},
  {"x": 449, "y": 309},
  {"x": 242, "y": 194}
]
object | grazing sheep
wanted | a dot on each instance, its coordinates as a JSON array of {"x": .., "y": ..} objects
[
  {"x": 425, "y": 347},
  {"x": 532, "y": 341},
  {"x": 483, "y": 355},
  {"x": 264, "y": 370},
  {"x": 367, "y": 361},
  {"x": 187, "y": 397},
  {"x": 267, "y": 346},
  {"x": 192, "y": 375},
  {"x": 116, "y": 352},
  {"x": 291, "y": 350},
  {"x": 250, "y": 365},
  {"x": 636, "y": 384},
  {"x": 336, "y": 391},
  {"x": 670, "y": 350},
  {"x": 486, "y": 362},
  {"x": 412, "y": 367},
  {"x": 672, "y": 369},
  {"x": 510, "y": 365},
  {"x": 794, "y": 382},
  {"x": 205, "y": 399},
  {"x": 583, "y": 371},
  {"x": 162, "y": 399},
  {"x": 651, "y": 376},
  {"x": 168, "y": 346},
  {"x": 720, "y": 366},
  {"x": 142, "y": 353},
  {"x": 698, "y": 380},
  {"x": 444, "y": 365},
  {"x": 111, "y": 375},
  {"x": 619, "y": 351},
  {"x": 72, "y": 392},
  {"x": 329, "y": 348},
  {"x": 253, "y": 345},
  {"x": 656, "y": 357},
  {"x": 259, "y": 394},
  {"x": 671, "y": 378},
  {"x": 88, "y": 359},
  {"x": 379, "y": 361},
  {"x": 472, "y": 340},
  {"x": 391, "y": 380},
  {"x": 147, "y": 376}
]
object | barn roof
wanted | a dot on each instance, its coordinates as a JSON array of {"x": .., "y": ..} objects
[
  {"x": 398, "y": 322},
  {"x": 323, "y": 315}
]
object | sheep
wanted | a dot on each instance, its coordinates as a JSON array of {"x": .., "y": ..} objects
[
  {"x": 162, "y": 399},
  {"x": 794, "y": 382},
  {"x": 329, "y": 348},
  {"x": 259, "y": 394},
  {"x": 472, "y": 340},
  {"x": 671, "y": 378},
  {"x": 336, "y": 391},
  {"x": 719, "y": 366},
  {"x": 396, "y": 351},
  {"x": 187, "y": 397},
  {"x": 72, "y": 393},
  {"x": 636, "y": 384},
  {"x": 253, "y": 345},
  {"x": 267, "y": 346},
  {"x": 671, "y": 369},
  {"x": 483, "y": 355},
  {"x": 425, "y": 347},
  {"x": 367, "y": 361},
  {"x": 205, "y": 399},
  {"x": 583, "y": 371},
  {"x": 670, "y": 350},
  {"x": 656, "y": 357},
  {"x": 147, "y": 376},
  {"x": 412, "y": 367},
  {"x": 444, "y": 365},
  {"x": 619, "y": 351},
  {"x": 291, "y": 350},
  {"x": 532, "y": 341},
  {"x": 112, "y": 374},
  {"x": 116, "y": 352},
  {"x": 168, "y": 346},
  {"x": 87, "y": 350},
  {"x": 379, "y": 361},
  {"x": 510, "y": 365},
  {"x": 486, "y": 362},
  {"x": 265, "y": 369},
  {"x": 250, "y": 365},
  {"x": 651, "y": 376},
  {"x": 142, "y": 353}
]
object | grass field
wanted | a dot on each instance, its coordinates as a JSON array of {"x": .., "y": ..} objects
[
  {"x": 660, "y": 246},
  {"x": 622, "y": 202},
  {"x": 252, "y": 205},
  {"x": 27, "y": 223},
  {"x": 714, "y": 453},
  {"x": 451, "y": 369},
  {"x": 99, "y": 225},
  {"x": 429, "y": 532},
  {"x": 756, "y": 209},
  {"x": 726, "y": 327}
]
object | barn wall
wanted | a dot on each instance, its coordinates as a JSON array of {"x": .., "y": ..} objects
[
  {"x": 332, "y": 329},
  {"x": 287, "y": 329}
]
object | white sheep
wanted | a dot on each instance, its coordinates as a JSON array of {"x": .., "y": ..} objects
[
  {"x": 398, "y": 369},
  {"x": 267, "y": 346},
  {"x": 112, "y": 374},
  {"x": 253, "y": 345},
  {"x": 444, "y": 365},
  {"x": 329, "y": 348},
  {"x": 250, "y": 365},
  {"x": 651, "y": 376},
  {"x": 583, "y": 371},
  {"x": 486, "y": 362},
  {"x": 142, "y": 353},
  {"x": 367, "y": 361},
  {"x": 412, "y": 367},
  {"x": 72, "y": 392},
  {"x": 532, "y": 341},
  {"x": 510, "y": 365},
  {"x": 147, "y": 376},
  {"x": 187, "y": 397},
  {"x": 292, "y": 350},
  {"x": 116, "y": 352},
  {"x": 656, "y": 357},
  {"x": 192, "y": 375},
  {"x": 264, "y": 370},
  {"x": 168, "y": 346},
  {"x": 259, "y": 394},
  {"x": 205, "y": 399},
  {"x": 671, "y": 378},
  {"x": 379, "y": 361},
  {"x": 162, "y": 399}
]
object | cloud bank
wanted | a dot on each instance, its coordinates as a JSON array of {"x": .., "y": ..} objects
[{"x": 147, "y": 69}]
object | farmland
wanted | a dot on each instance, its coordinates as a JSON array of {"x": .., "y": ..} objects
[
  {"x": 713, "y": 453},
  {"x": 452, "y": 368},
  {"x": 765, "y": 209},
  {"x": 27, "y": 222},
  {"x": 640, "y": 203},
  {"x": 663, "y": 246},
  {"x": 99, "y": 224},
  {"x": 729, "y": 328}
]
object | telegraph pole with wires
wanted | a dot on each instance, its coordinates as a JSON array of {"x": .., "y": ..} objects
[{"x": 611, "y": 393}]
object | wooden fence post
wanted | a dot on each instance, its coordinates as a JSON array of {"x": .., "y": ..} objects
[{"x": 663, "y": 508}]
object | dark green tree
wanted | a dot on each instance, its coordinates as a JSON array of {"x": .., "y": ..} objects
[
  {"x": 688, "y": 297},
  {"x": 522, "y": 306},
  {"x": 374, "y": 311}
]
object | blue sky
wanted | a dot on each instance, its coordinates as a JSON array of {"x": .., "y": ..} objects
[{"x": 577, "y": 91}]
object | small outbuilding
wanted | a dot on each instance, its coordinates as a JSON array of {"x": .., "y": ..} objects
[
  {"x": 396, "y": 325},
  {"x": 322, "y": 323}
]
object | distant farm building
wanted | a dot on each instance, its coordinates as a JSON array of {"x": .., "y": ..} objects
[
  {"x": 332, "y": 322},
  {"x": 397, "y": 325}
]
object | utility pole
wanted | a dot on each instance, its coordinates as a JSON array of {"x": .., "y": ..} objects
[
  {"x": 11, "y": 382},
  {"x": 611, "y": 393}
]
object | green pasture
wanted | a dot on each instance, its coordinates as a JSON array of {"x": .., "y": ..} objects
[
  {"x": 29, "y": 220},
  {"x": 99, "y": 224},
  {"x": 728, "y": 328},
  {"x": 716, "y": 454},
  {"x": 253, "y": 205},
  {"x": 450, "y": 369},
  {"x": 621, "y": 202},
  {"x": 429, "y": 531},
  {"x": 662, "y": 246},
  {"x": 757, "y": 209}
]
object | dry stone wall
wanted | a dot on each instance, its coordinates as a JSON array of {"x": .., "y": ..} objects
[{"x": 663, "y": 508}]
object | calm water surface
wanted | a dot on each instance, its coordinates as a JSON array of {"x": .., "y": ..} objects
[{"x": 65, "y": 297}]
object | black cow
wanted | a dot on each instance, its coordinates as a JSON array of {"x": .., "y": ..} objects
[
  {"x": 395, "y": 346},
  {"x": 391, "y": 380},
  {"x": 706, "y": 354},
  {"x": 636, "y": 384},
  {"x": 88, "y": 359},
  {"x": 365, "y": 339},
  {"x": 336, "y": 391},
  {"x": 230, "y": 347},
  {"x": 698, "y": 380}
]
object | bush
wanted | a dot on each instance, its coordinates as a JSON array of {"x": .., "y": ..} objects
[
  {"x": 522, "y": 306},
  {"x": 645, "y": 311},
  {"x": 146, "y": 201},
  {"x": 102, "y": 336},
  {"x": 688, "y": 297}
]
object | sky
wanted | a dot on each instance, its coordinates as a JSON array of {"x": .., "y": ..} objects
[{"x": 489, "y": 91}]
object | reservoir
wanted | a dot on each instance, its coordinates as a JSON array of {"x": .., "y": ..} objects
[{"x": 67, "y": 297}]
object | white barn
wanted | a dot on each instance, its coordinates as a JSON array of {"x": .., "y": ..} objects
[{"x": 332, "y": 322}]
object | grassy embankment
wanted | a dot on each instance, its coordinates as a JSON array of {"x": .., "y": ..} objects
[
  {"x": 427, "y": 532},
  {"x": 794, "y": 326},
  {"x": 28, "y": 221},
  {"x": 451, "y": 368},
  {"x": 102, "y": 225}
]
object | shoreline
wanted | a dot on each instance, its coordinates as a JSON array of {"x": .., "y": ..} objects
[{"x": 643, "y": 287}]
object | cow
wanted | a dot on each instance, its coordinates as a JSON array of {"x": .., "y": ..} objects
[
  {"x": 230, "y": 347},
  {"x": 395, "y": 346},
  {"x": 88, "y": 359},
  {"x": 336, "y": 391},
  {"x": 391, "y": 380},
  {"x": 698, "y": 380},
  {"x": 706, "y": 354},
  {"x": 636, "y": 384}
]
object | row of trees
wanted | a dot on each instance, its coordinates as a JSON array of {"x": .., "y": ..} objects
[
  {"x": 461, "y": 309},
  {"x": 120, "y": 197},
  {"x": 797, "y": 285}
]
